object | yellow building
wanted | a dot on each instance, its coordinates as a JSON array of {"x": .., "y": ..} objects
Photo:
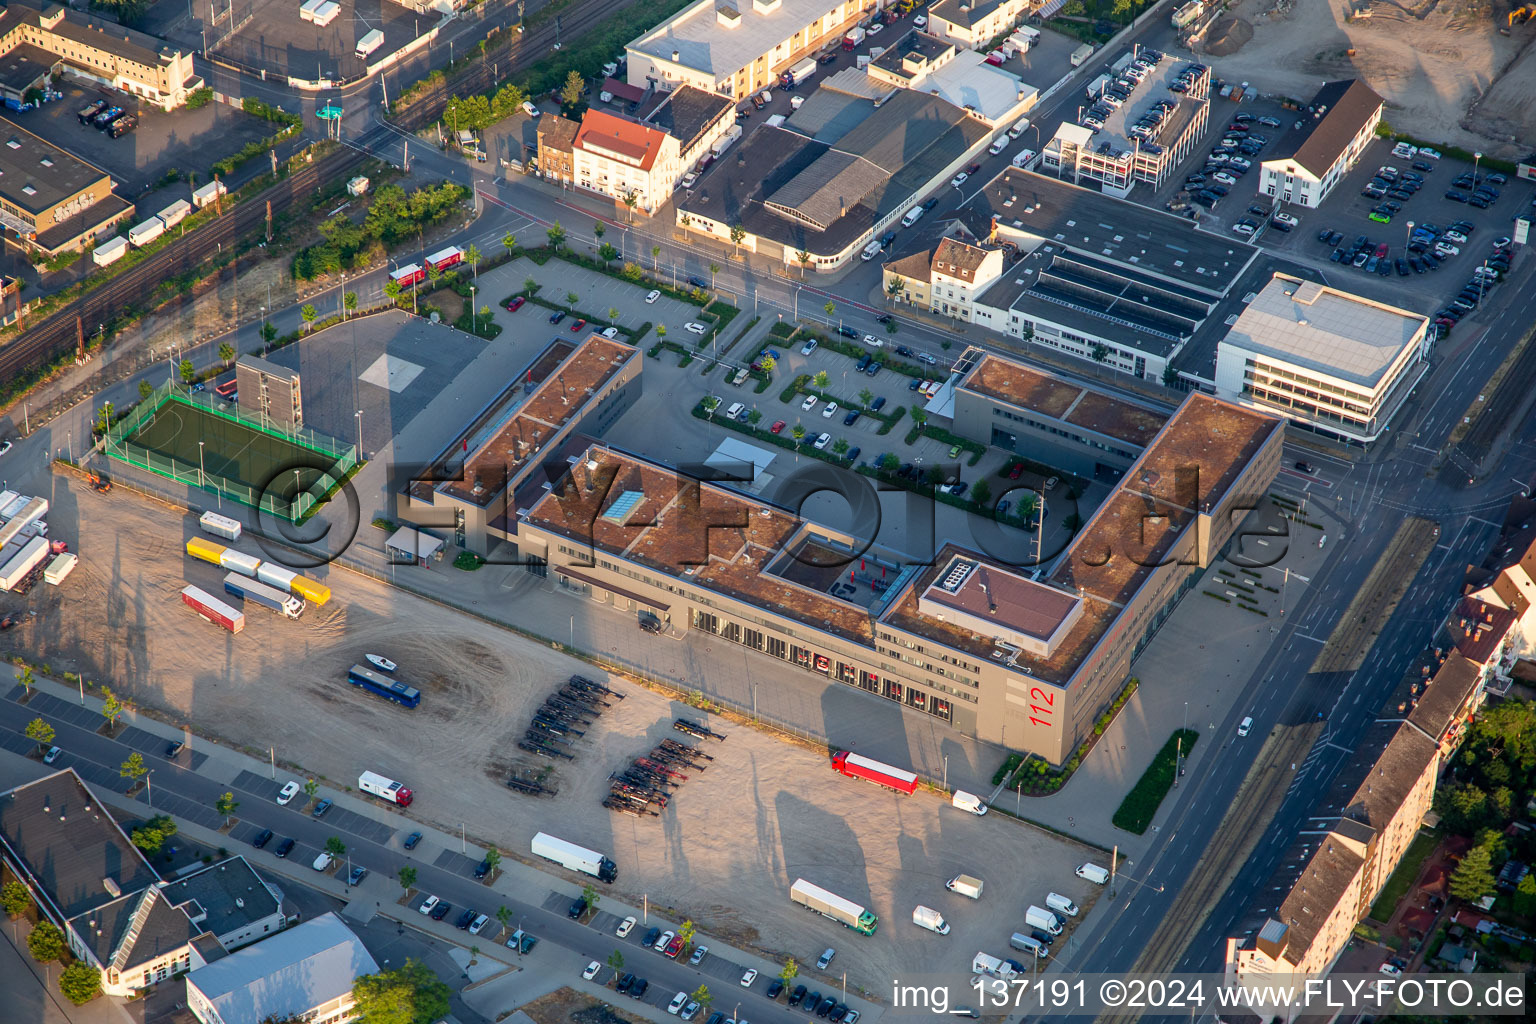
[{"x": 53, "y": 201}]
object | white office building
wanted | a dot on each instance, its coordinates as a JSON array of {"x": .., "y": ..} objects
[
  {"x": 1323, "y": 145},
  {"x": 1331, "y": 362}
]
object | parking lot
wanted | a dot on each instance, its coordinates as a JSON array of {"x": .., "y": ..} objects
[
  {"x": 1421, "y": 285},
  {"x": 187, "y": 140},
  {"x": 270, "y": 35}
]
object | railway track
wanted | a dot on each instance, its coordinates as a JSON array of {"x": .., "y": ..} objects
[
  {"x": 58, "y": 333},
  {"x": 519, "y": 53}
]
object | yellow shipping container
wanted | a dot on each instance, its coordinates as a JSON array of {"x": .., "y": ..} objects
[
  {"x": 207, "y": 550},
  {"x": 309, "y": 590}
]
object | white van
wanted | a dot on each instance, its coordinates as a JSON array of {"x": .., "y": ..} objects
[
  {"x": 1023, "y": 157},
  {"x": 1245, "y": 726},
  {"x": 734, "y": 411},
  {"x": 1019, "y": 128},
  {"x": 969, "y": 802},
  {"x": 1094, "y": 873},
  {"x": 1057, "y": 902},
  {"x": 1000, "y": 144},
  {"x": 870, "y": 251},
  {"x": 913, "y": 216},
  {"x": 1028, "y": 944}
]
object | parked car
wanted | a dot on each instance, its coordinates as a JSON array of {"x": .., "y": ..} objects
[
  {"x": 284, "y": 848},
  {"x": 577, "y": 908},
  {"x": 748, "y": 978},
  {"x": 356, "y": 875},
  {"x": 516, "y": 304},
  {"x": 411, "y": 840},
  {"x": 320, "y": 809},
  {"x": 288, "y": 792},
  {"x": 556, "y": 316},
  {"x": 262, "y": 838}
]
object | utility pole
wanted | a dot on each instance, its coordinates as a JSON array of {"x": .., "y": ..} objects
[
  {"x": 79, "y": 340},
  {"x": 269, "y": 222}
]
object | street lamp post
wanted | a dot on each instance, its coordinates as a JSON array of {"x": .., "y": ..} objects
[
  {"x": 359, "y": 433},
  {"x": 200, "y": 474},
  {"x": 1476, "y": 159}
]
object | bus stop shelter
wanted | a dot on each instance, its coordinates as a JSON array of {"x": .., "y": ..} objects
[{"x": 408, "y": 545}]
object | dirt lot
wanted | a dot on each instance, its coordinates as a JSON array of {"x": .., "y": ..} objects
[
  {"x": 725, "y": 851},
  {"x": 1431, "y": 60}
]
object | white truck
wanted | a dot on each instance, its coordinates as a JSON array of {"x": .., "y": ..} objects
[
  {"x": 775, "y": 121},
  {"x": 829, "y": 904},
  {"x": 326, "y": 13},
  {"x": 854, "y": 37},
  {"x": 1039, "y": 917},
  {"x": 802, "y": 72},
  {"x": 986, "y": 963},
  {"x": 386, "y": 789},
  {"x": 927, "y": 917},
  {"x": 370, "y": 42},
  {"x": 1096, "y": 88},
  {"x": 965, "y": 885},
  {"x": 727, "y": 140},
  {"x": 574, "y": 858}
]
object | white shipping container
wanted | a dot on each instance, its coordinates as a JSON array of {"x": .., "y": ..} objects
[
  {"x": 240, "y": 562},
  {"x": 326, "y": 13},
  {"x": 175, "y": 213},
  {"x": 6, "y": 498},
  {"x": 307, "y": 9},
  {"x": 143, "y": 234},
  {"x": 276, "y": 575},
  {"x": 220, "y": 526},
  {"x": 357, "y": 186},
  {"x": 208, "y": 193},
  {"x": 59, "y": 568},
  {"x": 109, "y": 251}
]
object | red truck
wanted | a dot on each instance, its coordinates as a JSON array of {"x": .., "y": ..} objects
[
  {"x": 445, "y": 258},
  {"x": 212, "y": 609},
  {"x": 856, "y": 766},
  {"x": 408, "y": 275}
]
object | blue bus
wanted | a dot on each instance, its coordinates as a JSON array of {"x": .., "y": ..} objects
[{"x": 382, "y": 686}]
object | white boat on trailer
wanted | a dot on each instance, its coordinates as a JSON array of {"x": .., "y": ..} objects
[{"x": 380, "y": 662}]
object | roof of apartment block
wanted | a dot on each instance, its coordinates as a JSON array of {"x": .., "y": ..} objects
[
  {"x": 1322, "y": 885},
  {"x": 564, "y": 384},
  {"x": 1438, "y": 705}
]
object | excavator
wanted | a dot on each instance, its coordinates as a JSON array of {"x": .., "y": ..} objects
[{"x": 1518, "y": 16}]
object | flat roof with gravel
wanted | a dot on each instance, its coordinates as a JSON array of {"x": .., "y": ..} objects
[
  {"x": 1333, "y": 332},
  {"x": 1047, "y": 395},
  {"x": 701, "y": 42}
]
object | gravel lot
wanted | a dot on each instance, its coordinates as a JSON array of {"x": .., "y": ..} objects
[{"x": 724, "y": 852}]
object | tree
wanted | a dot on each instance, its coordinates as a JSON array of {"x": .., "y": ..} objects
[
  {"x": 40, "y": 732},
  {"x": 434, "y": 275},
  {"x": 335, "y": 847},
  {"x": 27, "y": 679},
  {"x": 755, "y": 417},
  {"x": 821, "y": 378},
  {"x": 311, "y": 787},
  {"x": 308, "y": 313},
  {"x": 492, "y": 859},
  {"x": 607, "y": 253},
  {"x": 80, "y": 983},
  {"x": 1099, "y": 353},
  {"x": 686, "y": 931},
  {"x": 714, "y": 268},
  {"x": 15, "y": 899},
  {"x": 738, "y": 233},
  {"x": 151, "y": 835},
  {"x": 1170, "y": 377},
  {"x": 888, "y": 462},
  {"x": 840, "y": 446},
  {"x": 616, "y": 961},
  {"x": 631, "y": 272},
  {"x": 530, "y": 285},
  {"x": 589, "y": 893},
  {"x": 503, "y": 914},
  {"x": 919, "y": 417},
  {"x": 133, "y": 768},
  {"x": 831, "y": 309},
  {"x": 894, "y": 287},
  {"x": 269, "y": 331},
  {"x": 409, "y": 994},
  {"x": 407, "y": 876},
  {"x": 45, "y": 942},
  {"x": 865, "y": 397},
  {"x": 599, "y": 229},
  {"x": 981, "y": 494},
  {"x": 555, "y": 234},
  {"x": 711, "y": 403},
  {"x": 661, "y": 331},
  {"x": 472, "y": 257},
  {"x": 702, "y": 997},
  {"x": 188, "y": 371},
  {"x": 570, "y": 92},
  {"x": 1473, "y": 878},
  {"x": 571, "y": 298},
  {"x": 790, "y": 972},
  {"x": 803, "y": 257},
  {"x": 613, "y": 314},
  {"x": 798, "y": 433},
  {"x": 392, "y": 291},
  {"x": 348, "y": 301},
  {"x": 226, "y": 352},
  {"x": 509, "y": 242},
  {"x": 655, "y": 259},
  {"x": 227, "y": 805},
  {"x": 145, "y": 389},
  {"x": 768, "y": 364}
]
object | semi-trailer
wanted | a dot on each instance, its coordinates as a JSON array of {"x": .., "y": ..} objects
[
  {"x": 109, "y": 251},
  {"x": 220, "y": 526},
  {"x": 175, "y": 213},
  {"x": 575, "y": 858},
  {"x": 857, "y": 766},
  {"x": 212, "y": 609},
  {"x": 21, "y": 564},
  {"x": 208, "y": 193},
  {"x": 408, "y": 275},
  {"x": 148, "y": 231},
  {"x": 206, "y": 550},
  {"x": 829, "y": 904},
  {"x": 445, "y": 258},
  {"x": 268, "y": 597},
  {"x": 61, "y": 566},
  {"x": 386, "y": 789},
  {"x": 239, "y": 561}
]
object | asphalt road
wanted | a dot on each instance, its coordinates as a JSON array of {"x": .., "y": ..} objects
[{"x": 374, "y": 841}]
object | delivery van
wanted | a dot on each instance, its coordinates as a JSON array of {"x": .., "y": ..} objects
[{"x": 1094, "y": 873}]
